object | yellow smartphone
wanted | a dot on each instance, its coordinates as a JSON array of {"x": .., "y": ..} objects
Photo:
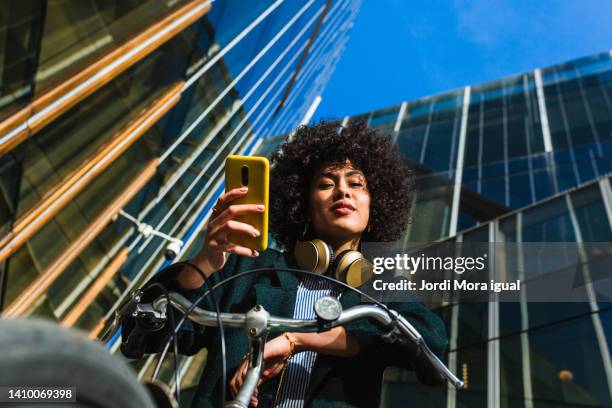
[{"x": 254, "y": 173}]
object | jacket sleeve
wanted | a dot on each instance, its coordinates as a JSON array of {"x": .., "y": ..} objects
[
  {"x": 138, "y": 341},
  {"x": 374, "y": 350}
]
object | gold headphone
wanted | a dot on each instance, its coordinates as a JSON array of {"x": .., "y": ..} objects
[{"x": 349, "y": 266}]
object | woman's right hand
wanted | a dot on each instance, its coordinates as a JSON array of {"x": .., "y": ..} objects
[{"x": 220, "y": 224}]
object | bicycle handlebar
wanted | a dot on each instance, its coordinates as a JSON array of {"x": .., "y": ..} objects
[
  {"x": 237, "y": 320},
  {"x": 257, "y": 322}
]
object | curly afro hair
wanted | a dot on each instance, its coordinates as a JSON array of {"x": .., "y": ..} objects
[{"x": 390, "y": 180}]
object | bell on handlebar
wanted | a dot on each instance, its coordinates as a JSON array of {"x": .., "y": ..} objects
[{"x": 328, "y": 309}]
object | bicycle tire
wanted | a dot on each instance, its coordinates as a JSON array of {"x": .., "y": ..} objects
[{"x": 39, "y": 353}]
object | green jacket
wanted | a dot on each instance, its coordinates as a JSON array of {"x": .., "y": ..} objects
[{"x": 334, "y": 381}]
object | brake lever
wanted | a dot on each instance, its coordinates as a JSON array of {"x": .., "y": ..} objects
[
  {"x": 404, "y": 327},
  {"x": 153, "y": 315},
  {"x": 124, "y": 310}
]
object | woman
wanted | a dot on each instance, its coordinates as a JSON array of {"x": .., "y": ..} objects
[{"x": 343, "y": 185}]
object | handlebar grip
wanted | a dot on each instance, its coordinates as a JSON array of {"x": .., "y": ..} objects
[{"x": 428, "y": 368}]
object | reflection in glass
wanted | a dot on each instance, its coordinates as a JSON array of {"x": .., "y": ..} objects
[
  {"x": 44, "y": 43},
  {"x": 429, "y": 131},
  {"x": 20, "y": 35},
  {"x": 567, "y": 367},
  {"x": 579, "y": 108},
  {"x": 59, "y": 150},
  {"x": 45, "y": 246},
  {"x": 77, "y": 33}
]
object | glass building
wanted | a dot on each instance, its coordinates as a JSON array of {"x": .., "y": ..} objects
[
  {"x": 523, "y": 159},
  {"x": 114, "y": 111}
]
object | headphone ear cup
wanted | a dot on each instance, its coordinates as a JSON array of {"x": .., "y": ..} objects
[
  {"x": 336, "y": 269},
  {"x": 353, "y": 268},
  {"x": 314, "y": 256}
]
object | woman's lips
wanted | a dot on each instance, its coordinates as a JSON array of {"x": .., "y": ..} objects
[{"x": 343, "y": 210}]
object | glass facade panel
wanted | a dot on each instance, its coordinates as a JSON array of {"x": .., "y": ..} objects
[
  {"x": 472, "y": 362},
  {"x": 512, "y": 359},
  {"x": 429, "y": 131},
  {"x": 503, "y": 121},
  {"x": 433, "y": 207},
  {"x": 48, "y": 244},
  {"x": 384, "y": 119},
  {"x": 233, "y": 16},
  {"x": 44, "y": 43},
  {"x": 20, "y": 32},
  {"x": 400, "y": 386},
  {"x": 10, "y": 183},
  {"x": 77, "y": 33},
  {"x": 578, "y": 104},
  {"x": 503, "y": 127},
  {"x": 59, "y": 150},
  {"x": 567, "y": 367}
]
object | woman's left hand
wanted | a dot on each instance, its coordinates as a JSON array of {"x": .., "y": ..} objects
[{"x": 276, "y": 352}]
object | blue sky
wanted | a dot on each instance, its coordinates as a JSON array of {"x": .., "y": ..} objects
[{"x": 405, "y": 49}]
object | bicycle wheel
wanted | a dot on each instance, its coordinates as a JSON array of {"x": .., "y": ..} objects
[{"x": 36, "y": 353}]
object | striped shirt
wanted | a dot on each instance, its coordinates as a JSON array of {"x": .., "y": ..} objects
[{"x": 300, "y": 366}]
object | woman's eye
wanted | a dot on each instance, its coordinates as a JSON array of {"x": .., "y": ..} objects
[
  {"x": 357, "y": 185},
  {"x": 325, "y": 185}
]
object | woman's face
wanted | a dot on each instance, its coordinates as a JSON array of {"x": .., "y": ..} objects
[{"x": 339, "y": 202}]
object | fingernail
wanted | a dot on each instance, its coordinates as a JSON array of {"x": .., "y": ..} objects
[
  {"x": 243, "y": 189},
  {"x": 260, "y": 207},
  {"x": 256, "y": 233},
  {"x": 255, "y": 253}
]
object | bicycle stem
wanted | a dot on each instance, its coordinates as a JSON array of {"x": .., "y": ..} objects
[{"x": 256, "y": 327}]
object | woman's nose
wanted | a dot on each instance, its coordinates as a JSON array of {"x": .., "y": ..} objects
[{"x": 342, "y": 189}]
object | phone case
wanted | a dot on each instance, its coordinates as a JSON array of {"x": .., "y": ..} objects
[{"x": 258, "y": 184}]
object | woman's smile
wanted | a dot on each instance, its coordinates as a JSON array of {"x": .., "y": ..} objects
[{"x": 343, "y": 208}]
